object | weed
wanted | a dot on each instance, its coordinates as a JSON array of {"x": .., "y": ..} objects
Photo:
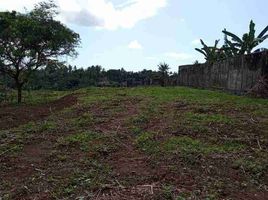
[
  {"x": 208, "y": 118},
  {"x": 37, "y": 127},
  {"x": 85, "y": 120},
  {"x": 146, "y": 142},
  {"x": 140, "y": 120},
  {"x": 257, "y": 165},
  {"x": 188, "y": 145},
  {"x": 96, "y": 176},
  {"x": 81, "y": 139}
]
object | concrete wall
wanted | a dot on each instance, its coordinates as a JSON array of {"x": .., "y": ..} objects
[{"x": 237, "y": 74}]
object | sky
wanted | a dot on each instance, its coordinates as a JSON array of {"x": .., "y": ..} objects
[{"x": 140, "y": 34}]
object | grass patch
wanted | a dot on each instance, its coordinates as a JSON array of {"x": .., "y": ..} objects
[
  {"x": 90, "y": 141},
  {"x": 86, "y": 119},
  {"x": 35, "y": 97},
  {"x": 208, "y": 118},
  {"x": 10, "y": 149},
  {"x": 147, "y": 143},
  {"x": 188, "y": 145},
  {"x": 140, "y": 120},
  {"x": 37, "y": 127},
  {"x": 81, "y": 139},
  {"x": 257, "y": 165},
  {"x": 95, "y": 177}
]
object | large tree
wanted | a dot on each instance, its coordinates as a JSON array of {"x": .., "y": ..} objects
[{"x": 30, "y": 40}]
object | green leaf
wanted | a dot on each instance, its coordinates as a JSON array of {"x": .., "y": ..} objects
[
  {"x": 263, "y": 32},
  {"x": 203, "y": 43},
  {"x": 233, "y": 36},
  {"x": 200, "y": 51}
]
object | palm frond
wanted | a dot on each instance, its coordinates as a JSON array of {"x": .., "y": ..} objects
[
  {"x": 263, "y": 32},
  {"x": 201, "y": 51},
  {"x": 233, "y": 36}
]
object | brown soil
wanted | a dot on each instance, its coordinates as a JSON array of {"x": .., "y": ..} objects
[
  {"x": 13, "y": 116},
  {"x": 136, "y": 175}
]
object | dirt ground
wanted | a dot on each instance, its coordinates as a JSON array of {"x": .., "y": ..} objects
[
  {"x": 13, "y": 116},
  {"x": 122, "y": 147}
]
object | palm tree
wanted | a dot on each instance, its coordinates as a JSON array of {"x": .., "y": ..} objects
[
  {"x": 248, "y": 42},
  {"x": 211, "y": 53},
  {"x": 163, "y": 69}
]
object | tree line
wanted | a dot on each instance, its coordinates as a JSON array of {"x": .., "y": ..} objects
[{"x": 58, "y": 76}]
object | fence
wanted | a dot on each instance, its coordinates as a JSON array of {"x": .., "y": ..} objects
[{"x": 237, "y": 74}]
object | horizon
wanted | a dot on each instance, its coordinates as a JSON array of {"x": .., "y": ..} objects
[{"x": 140, "y": 34}]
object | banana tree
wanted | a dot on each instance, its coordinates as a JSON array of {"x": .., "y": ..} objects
[
  {"x": 248, "y": 42},
  {"x": 211, "y": 53}
]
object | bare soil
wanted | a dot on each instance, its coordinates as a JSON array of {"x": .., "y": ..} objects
[
  {"x": 13, "y": 116},
  {"x": 49, "y": 166}
]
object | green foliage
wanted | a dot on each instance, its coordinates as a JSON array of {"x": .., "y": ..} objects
[
  {"x": 248, "y": 42},
  {"x": 211, "y": 53},
  {"x": 235, "y": 46},
  {"x": 31, "y": 40},
  {"x": 163, "y": 69}
]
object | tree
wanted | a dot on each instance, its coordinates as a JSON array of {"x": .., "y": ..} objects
[
  {"x": 163, "y": 69},
  {"x": 211, "y": 53},
  {"x": 248, "y": 42},
  {"x": 29, "y": 40}
]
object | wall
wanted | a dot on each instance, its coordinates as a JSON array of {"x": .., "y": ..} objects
[{"x": 237, "y": 74}]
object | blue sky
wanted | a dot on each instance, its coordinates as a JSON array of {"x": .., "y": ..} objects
[{"x": 138, "y": 34}]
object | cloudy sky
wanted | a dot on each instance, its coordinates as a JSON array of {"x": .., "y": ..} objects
[{"x": 138, "y": 34}]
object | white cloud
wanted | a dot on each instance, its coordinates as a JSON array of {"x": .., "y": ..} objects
[
  {"x": 97, "y": 13},
  {"x": 178, "y": 56},
  {"x": 195, "y": 42},
  {"x": 134, "y": 45},
  {"x": 17, "y": 5},
  {"x": 104, "y": 14}
]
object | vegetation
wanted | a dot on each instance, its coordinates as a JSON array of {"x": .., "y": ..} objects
[
  {"x": 163, "y": 70},
  {"x": 120, "y": 142},
  {"x": 30, "y": 40},
  {"x": 140, "y": 143},
  {"x": 57, "y": 76},
  {"x": 248, "y": 42},
  {"x": 211, "y": 53},
  {"x": 235, "y": 46}
]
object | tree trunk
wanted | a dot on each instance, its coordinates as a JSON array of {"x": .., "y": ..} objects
[{"x": 19, "y": 89}]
